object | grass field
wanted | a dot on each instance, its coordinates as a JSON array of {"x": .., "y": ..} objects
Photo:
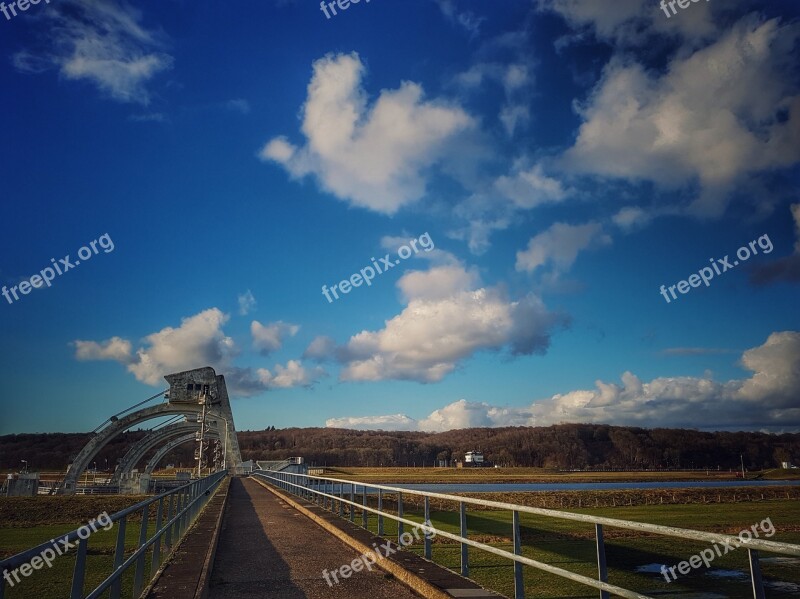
[
  {"x": 25, "y": 522},
  {"x": 539, "y": 475},
  {"x": 571, "y": 546},
  {"x": 28, "y": 521}
]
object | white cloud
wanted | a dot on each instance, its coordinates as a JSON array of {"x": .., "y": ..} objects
[
  {"x": 374, "y": 157},
  {"x": 269, "y": 338},
  {"x": 393, "y": 422},
  {"x": 100, "y": 42},
  {"x": 116, "y": 349},
  {"x": 528, "y": 188},
  {"x": 252, "y": 381},
  {"x": 294, "y": 374},
  {"x": 632, "y": 217},
  {"x": 766, "y": 400},
  {"x": 446, "y": 320},
  {"x": 714, "y": 117},
  {"x": 247, "y": 302},
  {"x": 439, "y": 283},
  {"x": 560, "y": 245},
  {"x": 199, "y": 341}
]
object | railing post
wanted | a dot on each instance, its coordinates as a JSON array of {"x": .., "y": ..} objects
[
  {"x": 138, "y": 578},
  {"x": 427, "y": 522},
  {"x": 462, "y": 509},
  {"x": 352, "y": 501},
  {"x": 179, "y": 521},
  {"x": 341, "y": 496},
  {"x": 519, "y": 583},
  {"x": 602, "y": 570},
  {"x": 364, "y": 513},
  {"x": 119, "y": 557},
  {"x": 80, "y": 570},
  {"x": 380, "y": 512},
  {"x": 156, "y": 561},
  {"x": 755, "y": 574},
  {"x": 168, "y": 534},
  {"x": 400, "y": 515}
]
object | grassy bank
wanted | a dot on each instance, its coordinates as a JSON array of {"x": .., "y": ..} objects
[
  {"x": 28, "y": 521},
  {"x": 570, "y": 546},
  {"x": 540, "y": 475}
]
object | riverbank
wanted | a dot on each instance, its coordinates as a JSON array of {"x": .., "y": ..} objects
[{"x": 541, "y": 475}]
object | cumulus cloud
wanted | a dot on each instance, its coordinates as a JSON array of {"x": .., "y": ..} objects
[
  {"x": 392, "y": 422},
  {"x": 765, "y": 400},
  {"x": 713, "y": 117},
  {"x": 560, "y": 245},
  {"x": 201, "y": 341},
  {"x": 116, "y": 349},
  {"x": 269, "y": 338},
  {"x": 448, "y": 317},
  {"x": 251, "y": 381},
  {"x": 372, "y": 156},
  {"x": 531, "y": 187},
  {"x": 103, "y": 43}
]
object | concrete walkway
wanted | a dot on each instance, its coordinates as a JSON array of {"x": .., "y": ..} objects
[{"x": 270, "y": 550}]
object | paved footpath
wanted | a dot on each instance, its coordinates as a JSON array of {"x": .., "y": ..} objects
[{"x": 267, "y": 549}]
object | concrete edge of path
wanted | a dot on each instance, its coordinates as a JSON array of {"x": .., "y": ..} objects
[
  {"x": 205, "y": 573},
  {"x": 203, "y": 577},
  {"x": 429, "y": 580}
]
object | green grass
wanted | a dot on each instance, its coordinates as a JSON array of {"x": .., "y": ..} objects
[
  {"x": 571, "y": 546},
  {"x": 523, "y": 475},
  {"x": 56, "y": 581}
]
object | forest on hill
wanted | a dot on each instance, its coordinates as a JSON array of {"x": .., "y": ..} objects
[{"x": 563, "y": 446}]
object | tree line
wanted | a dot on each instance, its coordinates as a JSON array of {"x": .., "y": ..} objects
[{"x": 562, "y": 446}]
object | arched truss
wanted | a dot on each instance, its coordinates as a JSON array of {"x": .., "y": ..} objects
[
  {"x": 185, "y": 392},
  {"x": 153, "y": 439},
  {"x": 169, "y": 446}
]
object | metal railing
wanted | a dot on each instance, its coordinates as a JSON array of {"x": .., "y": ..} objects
[
  {"x": 175, "y": 512},
  {"x": 323, "y": 491}
]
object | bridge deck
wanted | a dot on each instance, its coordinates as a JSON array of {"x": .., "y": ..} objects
[{"x": 268, "y": 549}]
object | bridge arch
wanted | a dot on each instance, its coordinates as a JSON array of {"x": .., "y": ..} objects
[
  {"x": 169, "y": 446},
  {"x": 189, "y": 391},
  {"x": 153, "y": 439}
]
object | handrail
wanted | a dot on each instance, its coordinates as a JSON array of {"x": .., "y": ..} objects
[
  {"x": 684, "y": 533},
  {"x": 184, "y": 505},
  {"x": 300, "y": 484}
]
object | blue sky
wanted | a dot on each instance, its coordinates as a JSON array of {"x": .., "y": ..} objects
[{"x": 566, "y": 159}]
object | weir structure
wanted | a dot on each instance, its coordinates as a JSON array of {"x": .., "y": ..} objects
[{"x": 196, "y": 394}]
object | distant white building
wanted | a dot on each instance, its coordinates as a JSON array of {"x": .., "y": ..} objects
[{"x": 474, "y": 458}]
